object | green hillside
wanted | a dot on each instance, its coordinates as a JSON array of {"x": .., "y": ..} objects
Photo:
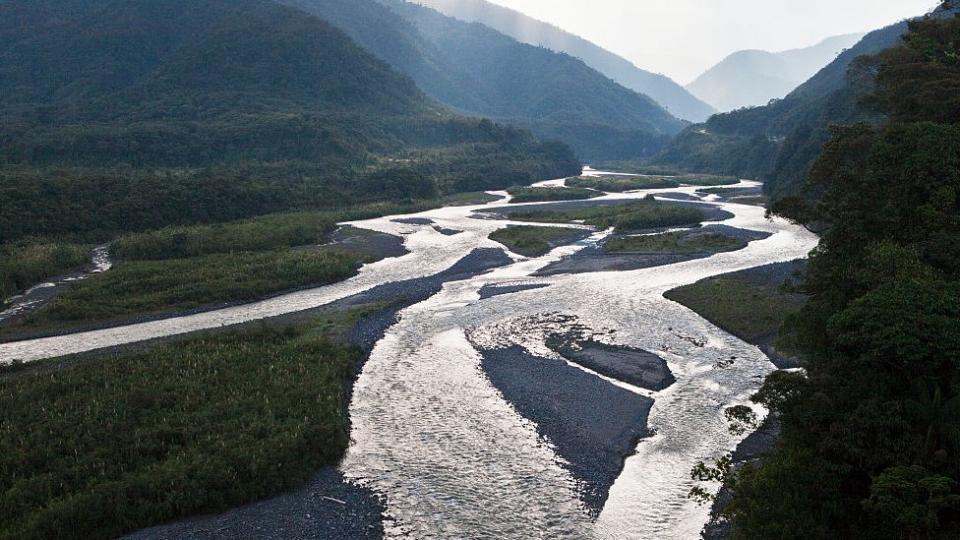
[{"x": 218, "y": 109}]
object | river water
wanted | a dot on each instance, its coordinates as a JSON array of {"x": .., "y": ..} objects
[{"x": 453, "y": 458}]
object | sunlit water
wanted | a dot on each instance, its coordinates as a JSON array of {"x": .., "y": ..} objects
[{"x": 449, "y": 453}]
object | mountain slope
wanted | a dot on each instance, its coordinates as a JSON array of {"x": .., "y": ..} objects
[
  {"x": 750, "y": 78},
  {"x": 219, "y": 109},
  {"x": 779, "y": 142},
  {"x": 479, "y": 71},
  {"x": 663, "y": 90}
]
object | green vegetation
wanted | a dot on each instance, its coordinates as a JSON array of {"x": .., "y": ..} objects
[
  {"x": 541, "y": 194},
  {"x": 637, "y": 167},
  {"x": 149, "y": 287},
  {"x": 675, "y": 242},
  {"x": 634, "y": 216},
  {"x": 25, "y": 264},
  {"x": 469, "y": 198},
  {"x": 96, "y": 446},
  {"x": 618, "y": 184},
  {"x": 532, "y": 241},
  {"x": 870, "y": 443},
  {"x": 250, "y": 116},
  {"x": 750, "y": 309},
  {"x": 707, "y": 180},
  {"x": 258, "y": 234}
]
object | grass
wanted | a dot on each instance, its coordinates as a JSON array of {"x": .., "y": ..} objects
[
  {"x": 25, "y": 264},
  {"x": 634, "y": 216},
  {"x": 257, "y": 234},
  {"x": 613, "y": 184},
  {"x": 131, "y": 440},
  {"x": 469, "y": 199},
  {"x": 707, "y": 180},
  {"x": 541, "y": 194},
  {"x": 531, "y": 241},
  {"x": 145, "y": 287},
  {"x": 747, "y": 308},
  {"x": 675, "y": 242}
]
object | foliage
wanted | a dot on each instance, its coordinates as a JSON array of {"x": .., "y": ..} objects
[
  {"x": 676, "y": 242},
  {"x": 24, "y": 264},
  {"x": 133, "y": 288},
  {"x": 183, "y": 112},
  {"x": 633, "y": 216},
  {"x": 707, "y": 180},
  {"x": 618, "y": 184},
  {"x": 743, "y": 307},
  {"x": 541, "y": 194},
  {"x": 180, "y": 429},
  {"x": 534, "y": 241},
  {"x": 871, "y": 437}
]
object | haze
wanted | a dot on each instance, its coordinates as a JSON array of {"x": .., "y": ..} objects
[{"x": 682, "y": 38}]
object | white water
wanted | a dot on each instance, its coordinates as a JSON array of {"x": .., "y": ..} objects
[{"x": 438, "y": 440}]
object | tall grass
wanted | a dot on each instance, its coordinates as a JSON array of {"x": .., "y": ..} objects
[
  {"x": 541, "y": 194},
  {"x": 109, "y": 445},
  {"x": 27, "y": 263},
  {"x": 257, "y": 234},
  {"x": 144, "y": 287},
  {"x": 634, "y": 216}
]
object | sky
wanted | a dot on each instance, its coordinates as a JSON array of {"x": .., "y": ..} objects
[{"x": 683, "y": 38}]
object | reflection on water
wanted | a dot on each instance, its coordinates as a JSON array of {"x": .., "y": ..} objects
[{"x": 452, "y": 457}]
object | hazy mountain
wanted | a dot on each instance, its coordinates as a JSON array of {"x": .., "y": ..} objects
[
  {"x": 525, "y": 29},
  {"x": 480, "y": 71},
  {"x": 778, "y": 143},
  {"x": 750, "y": 78}
]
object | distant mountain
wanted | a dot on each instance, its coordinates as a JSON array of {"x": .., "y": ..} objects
[
  {"x": 778, "y": 143},
  {"x": 751, "y": 78},
  {"x": 525, "y": 29},
  {"x": 482, "y": 72}
]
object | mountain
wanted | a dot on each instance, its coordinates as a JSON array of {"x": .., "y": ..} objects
[
  {"x": 482, "y": 72},
  {"x": 751, "y": 78},
  {"x": 218, "y": 109},
  {"x": 778, "y": 143},
  {"x": 676, "y": 99}
]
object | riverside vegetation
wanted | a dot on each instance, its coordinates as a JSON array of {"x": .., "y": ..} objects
[
  {"x": 201, "y": 425},
  {"x": 870, "y": 444},
  {"x": 183, "y": 268},
  {"x": 25, "y": 263},
  {"x": 639, "y": 215},
  {"x": 534, "y": 241}
]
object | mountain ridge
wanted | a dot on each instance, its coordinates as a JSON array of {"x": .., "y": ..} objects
[
  {"x": 478, "y": 71},
  {"x": 753, "y": 77},
  {"x": 671, "y": 95}
]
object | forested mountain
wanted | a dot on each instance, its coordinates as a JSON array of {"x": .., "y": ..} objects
[
  {"x": 752, "y": 78},
  {"x": 870, "y": 441},
  {"x": 483, "y": 72},
  {"x": 199, "y": 110},
  {"x": 678, "y": 100},
  {"x": 779, "y": 142}
]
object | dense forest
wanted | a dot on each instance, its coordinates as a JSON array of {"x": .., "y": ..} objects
[
  {"x": 180, "y": 112},
  {"x": 870, "y": 444},
  {"x": 779, "y": 142}
]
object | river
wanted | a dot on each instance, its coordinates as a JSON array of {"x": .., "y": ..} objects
[{"x": 452, "y": 456}]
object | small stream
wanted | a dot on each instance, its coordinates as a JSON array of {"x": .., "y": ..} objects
[
  {"x": 452, "y": 456},
  {"x": 39, "y": 295}
]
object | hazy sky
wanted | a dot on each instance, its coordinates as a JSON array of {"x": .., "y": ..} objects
[{"x": 682, "y": 38}]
